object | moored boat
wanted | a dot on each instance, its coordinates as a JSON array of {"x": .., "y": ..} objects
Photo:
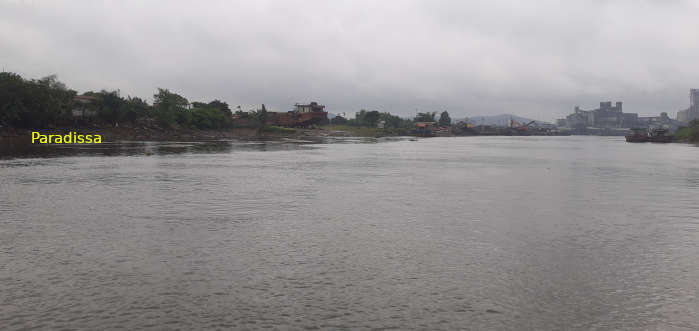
[
  {"x": 659, "y": 136},
  {"x": 637, "y": 135}
]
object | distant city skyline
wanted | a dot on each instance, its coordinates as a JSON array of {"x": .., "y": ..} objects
[{"x": 536, "y": 60}]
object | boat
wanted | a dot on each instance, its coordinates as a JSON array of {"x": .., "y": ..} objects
[
  {"x": 425, "y": 129},
  {"x": 637, "y": 135},
  {"x": 659, "y": 136}
]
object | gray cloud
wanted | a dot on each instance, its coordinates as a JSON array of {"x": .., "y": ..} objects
[{"x": 531, "y": 58}]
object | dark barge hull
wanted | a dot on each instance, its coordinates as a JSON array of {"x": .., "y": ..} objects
[
  {"x": 636, "y": 139},
  {"x": 660, "y": 139}
]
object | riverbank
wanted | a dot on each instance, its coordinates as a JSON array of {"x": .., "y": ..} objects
[
  {"x": 131, "y": 133},
  {"x": 134, "y": 133},
  {"x": 688, "y": 134},
  {"x": 128, "y": 133}
]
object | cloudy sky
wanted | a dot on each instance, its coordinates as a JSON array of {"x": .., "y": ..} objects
[{"x": 530, "y": 58}]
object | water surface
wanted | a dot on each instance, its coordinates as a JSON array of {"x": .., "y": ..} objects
[{"x": 504, "y": 233}]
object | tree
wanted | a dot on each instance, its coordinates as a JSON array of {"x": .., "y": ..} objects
[
  {"x": 444, "y": 119},
  {"x": 365, "y": 118},
  {"x": 170, "y": 108},
  {"x": 694, "y": 131},
  {"x": 261, "y": 116},
  {"x": 425, "y": 117},
  {"x": 13, "y": 90},
  {"x": 34, "y": 103},
  {"x": 222, "y": 106},
  {"x": 136, "y": 108},
  {"x": 338, "y": 120},
  {"x": 112, "y": 107},
  {"x": 167, "y": 99},
  {"x": 393, "y": 121},
  {"x": 372, "y": 118},
  {"x": 359, "y": 118}
]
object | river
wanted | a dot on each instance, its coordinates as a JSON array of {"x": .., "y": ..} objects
[{"x": 482, "y": 233}]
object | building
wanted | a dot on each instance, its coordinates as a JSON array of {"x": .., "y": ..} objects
[
  {"x": 308, "y": 108},
  {"x": 425, "y": 129},
  {"x": 606, "y": 116},
  {"x": 663, "y": 121},
  {"x": 691, "y": 113},
  {"x": 303, "y": 115}
]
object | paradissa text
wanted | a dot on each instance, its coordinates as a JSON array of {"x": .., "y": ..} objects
[{"x": 70, "y": 138}]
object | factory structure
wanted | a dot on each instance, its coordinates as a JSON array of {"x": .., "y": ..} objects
[
  {"x": 606, "y": 116},
  {"x": 610, "y": 119},
  {"x": 692, "y": 113}
]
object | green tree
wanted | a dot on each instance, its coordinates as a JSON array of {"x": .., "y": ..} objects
[
  {"x": 372, "y": 118},
  {"x": 113, "y": 107},
  {"x": 694, "y": 131},
  {"x": 213, "y": 115},
  {"x": 261, "y": 116},
  {"x": 338, "y": 120},
  {"x": 365, "y": 118},
  {"x": 393, "y": 121},
  {"x": 425, "y": 117},
  {"x": 221, "y": 106},
  {"x": 34, "y": 103},
  {"x": 359, "y": 118},
  {"x": 444, "y": 119},
  {"x": 13, "y": 91},
  {"x": 136, "y": 108},
  {"x": 170, "y": 108}
]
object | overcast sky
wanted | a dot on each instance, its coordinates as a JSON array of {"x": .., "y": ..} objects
[{"x": 532, "y": 58}]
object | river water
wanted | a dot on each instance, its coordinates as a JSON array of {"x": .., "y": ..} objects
[{"x": 482, "y": 233}]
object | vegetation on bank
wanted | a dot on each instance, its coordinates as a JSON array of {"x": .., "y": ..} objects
[
  {"x": 371, "y": 119},
  {"x": 47, "y": 102},
  {"x": 689, "y": 133},
  {"x": 378, "y": 124}
]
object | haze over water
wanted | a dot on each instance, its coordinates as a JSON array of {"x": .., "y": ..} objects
[{"x": 443, "y": 233}]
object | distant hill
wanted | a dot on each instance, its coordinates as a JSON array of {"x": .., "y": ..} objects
[{"x": 497, "y": 120}]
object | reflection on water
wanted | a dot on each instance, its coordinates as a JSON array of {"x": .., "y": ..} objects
[
  {"x": 534, "y": 233},
  {"x": 21, "y": 148}
]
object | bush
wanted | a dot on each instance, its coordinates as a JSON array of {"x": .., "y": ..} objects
[
  {"x": 210, "y": 118},
  {"x": 689, "y": 133}
]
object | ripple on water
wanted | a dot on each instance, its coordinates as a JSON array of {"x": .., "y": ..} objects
[{"x": 462, "y": 233}]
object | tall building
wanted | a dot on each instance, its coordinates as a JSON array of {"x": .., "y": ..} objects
[
  {"x": 606, "y": 116},
  {"x": 691, "y": 113}
]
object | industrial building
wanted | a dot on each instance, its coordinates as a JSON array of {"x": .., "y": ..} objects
[
  {"x": 610, "y": 119},
  {"x": 606, "y": 116},
  {"x": 691, "y": 113}
]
